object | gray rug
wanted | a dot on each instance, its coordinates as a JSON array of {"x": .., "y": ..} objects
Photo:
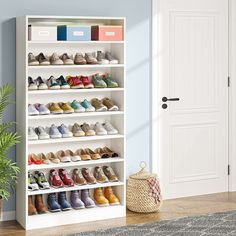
[{"x": 206, "y": 225}]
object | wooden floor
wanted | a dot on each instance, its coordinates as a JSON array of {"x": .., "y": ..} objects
[{"x": 170, "y": 209}]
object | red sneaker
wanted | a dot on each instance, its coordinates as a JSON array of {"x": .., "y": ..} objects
[
  {"x": 87, "y": 82},
  {"x": 55, "y": 180},
  {"x": 66, "y": 178},
  {"x": 75, "y": 82}
]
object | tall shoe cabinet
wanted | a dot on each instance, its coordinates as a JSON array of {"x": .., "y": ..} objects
[{"x": 24, "y": 97}]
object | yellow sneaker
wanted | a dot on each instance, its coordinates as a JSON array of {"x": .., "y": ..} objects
[
  {"x": 112, "y": 198},
  {"x": 54, "y": 108},
  {"x": 66, "y": 108},
  {"x": 99, "y": 197}
]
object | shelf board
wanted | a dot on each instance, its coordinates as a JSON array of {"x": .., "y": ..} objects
[
  {"x": 74, "y": 42},
  {"x": 76, "y": 187},
  {"x": 64, "y": 91},
  {"x": 75, "y": 164},
  {"x": 83, "y": 114},
  {"x": 50, "y": 67},
  {"x": 75, "y": 139}
]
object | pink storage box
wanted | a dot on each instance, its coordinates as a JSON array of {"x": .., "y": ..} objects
[{"x": 107, "y": 32}]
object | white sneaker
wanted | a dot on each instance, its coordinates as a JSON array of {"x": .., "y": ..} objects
[
  {"x": 99, "y": 129},
  {"x": 109, "y": 128},
  {"x": 42, "y": 134},
  {"x": 32, "y": 111},
  {"x": 31, "y": 134}
]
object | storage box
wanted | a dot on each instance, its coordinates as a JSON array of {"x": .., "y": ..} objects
[
  {"x": 73, "y": 33},
  {"x": 42, "y": 33},
  {"x": 107, "y": 32}
]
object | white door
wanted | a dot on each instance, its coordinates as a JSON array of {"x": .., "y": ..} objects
[{"x": 193, "y": 66}]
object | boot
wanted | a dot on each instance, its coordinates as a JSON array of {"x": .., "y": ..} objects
[
  {"x": 76, "y": 201},
  {"x": 62, "y": 200},
  {"x": 100, "y": 198},
  {"x": 112, "y": 198},
  {"x": 31, "y": 208},
  {"x": 86, "y": 199},
  {"x": 41, "y": 208}
]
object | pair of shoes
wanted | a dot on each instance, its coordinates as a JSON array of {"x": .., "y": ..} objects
[
  {"x": 37, "y": 84},
  {"x": 106, "y": 152},
  {"x": 105, "y": 129},
  {"x": 37, "y": 133},
  {"x": 105, "y": 197},
  {"x": 61, "y": 131},
  {"x": 105, "y": 104},
  {"x": 60, "y": 108},
  {"x": 37, "y": 109},
  {"x": 104, "y": 81},
  {"x": 68, "y": 156},
  {"x": 87, "y": 154},
  {"x": 37, "y": 181},
  {"x": 42, "y": 159},
  {"x": 60, "y": 178},
  {"x": 57, "y": 83},
  {"x": 87, "y": 58},
  {"x": 58, "y": 204},
  {"x": 40, "y": 59},
  {"x": 79, "y": 82},
  {"x": 106, "y": 58},
  {"x": 105, "y": 174},
  {"x": 83, "y": 176},
  {"x": 38, "y": 206},
  {"x": 85, "y": 200}
]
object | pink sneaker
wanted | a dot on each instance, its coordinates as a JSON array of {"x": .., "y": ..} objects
[{"x": 86, "y": 82}]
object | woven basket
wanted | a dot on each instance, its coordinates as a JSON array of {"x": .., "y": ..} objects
[{"x": 138, "y": 193}]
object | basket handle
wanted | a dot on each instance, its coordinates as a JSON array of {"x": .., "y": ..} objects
[{"x": 142, "y": 165}]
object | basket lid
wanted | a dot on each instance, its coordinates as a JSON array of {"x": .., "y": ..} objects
[{"x": 142, "y": 174}]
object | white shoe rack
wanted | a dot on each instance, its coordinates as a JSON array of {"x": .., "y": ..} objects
[{"x": 24, "y": 97}]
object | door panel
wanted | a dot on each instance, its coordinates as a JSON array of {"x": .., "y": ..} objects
[{"x": 193, "y": 66}]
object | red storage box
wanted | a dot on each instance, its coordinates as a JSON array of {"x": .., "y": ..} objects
[{"x": 107, "y": 32}]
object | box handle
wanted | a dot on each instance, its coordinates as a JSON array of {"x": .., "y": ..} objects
[
  {"x": 109, "y": 33},
  {"x": 44, "y": 33}
]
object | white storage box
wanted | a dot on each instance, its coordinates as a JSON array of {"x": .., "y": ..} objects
[{"x": 42, "y": 33}]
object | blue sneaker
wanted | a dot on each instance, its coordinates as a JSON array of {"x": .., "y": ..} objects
[
  {"x": 32, "y": 111},
  {"x": 87, "y": 105},
  {"x": 62, "y": 82},
  {"x": 65, "y": 205},
  {"x": 77, "y": 107},
  {"x": 53, "y": 205},
  {"x": 64, "y": 130},
  {"x": 52, "y": 83},
  {"x": 54, "y": 132}
]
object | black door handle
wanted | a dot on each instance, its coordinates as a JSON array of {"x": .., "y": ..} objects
[{"x": 165, "y": 99}]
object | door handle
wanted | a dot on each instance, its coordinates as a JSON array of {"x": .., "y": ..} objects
[{"x": 165, "y": 99}]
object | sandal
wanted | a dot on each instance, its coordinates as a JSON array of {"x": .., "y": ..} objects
[
  {"x": 101, "y": 153},
  {"x": 110, "y": 152}
]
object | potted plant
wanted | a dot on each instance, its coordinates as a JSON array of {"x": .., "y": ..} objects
[{"x": 8, "y": 139}]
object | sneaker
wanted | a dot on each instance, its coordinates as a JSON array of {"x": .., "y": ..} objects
[
  {"x": 111, "y": 197},
  {"x": 31, "y": 84},
  {"x": 86, "y": 82},
  {"x": 41, "y": 84},
  {"x": 111, "y": 59},
  {"x": 109, "y": 81},
  {"x": 67, "y": 109},
  {"x": 92, "y": 154},
  {"x": 39, "y": 204},
  {"x": 32, "y": 61},
  {"x": 54, "y": 132},
  {"x": 86, "y": 199},
  {"x": 101, "y": 58},
  {"x": 91, "y": 58},
  {"x": 64, "y": 130},
  {"x": 31, "y": 134},
  {"x": 32, "y": 111},
  {"x": 52, "y": 83},
  {"x": 109, "y": 172},
  {"x": 110, "y": 104},
  {"x": 78, "y": 177},
  {"x": 77, "y": 131},
  {"x": 43, "y": 60},
  {"x": 66, "y": 59},
  {"x": 99, "y": 129},
  {"x": 99, "y": 175},
  {"x": 63, "y": 157},
  {"x": 65, "y": 205},
  {"x": 41, "y": 132},
  {"x": 73, "y": 156},
  {"x": 55, "y": 108},
  {"x": 99, "y": 106},
  {"x": 87, "y": 105},
  {"x": 79, "y": 59},
  {"x": 66, "y": 178},
  {"x": 109, "y": 128},
  {"x": 53, "y": 205},
  {"x": 31, "y": 208},
  {"x": 62, "y": 82},
  {"x": 32, "y": 185},
  {"x": 83, "y": 155},
  {"x": 76, "y": 202},
  {"x": 98, "y": 81},
  {"x": 42, "y": 109},
  {"x": 86, "y": 172},
  {"x": 100, "y": 198},
  {"x": 52, "y": 158},
  {"x": 78, "y": 108},
  {"x": 55, "y": 180},
  {"x": 87, "y": 129},
  {"x": 41, "y": 180},
  {"x": 75, "y": 82},
  {"x": 55, "y": 59}
]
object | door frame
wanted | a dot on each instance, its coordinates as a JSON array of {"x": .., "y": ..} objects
[{"x": 155, "y": 160}]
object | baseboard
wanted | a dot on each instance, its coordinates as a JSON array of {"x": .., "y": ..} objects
[{"x": 7, "y": 215}]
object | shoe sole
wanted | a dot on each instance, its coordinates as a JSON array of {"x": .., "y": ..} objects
[
  {"x": 33, "y": 138},
  {"x": 112, "y": 133},
  {"x": 66, "y": 209},
  {"x": 33, "y": 113},
  {"x": 101, "y": 109},
  {"x": 102, "y": 205},
  {"x": 44, "y": 137},
  {"x": 68, "y": 112},
  {"x": 79, "y": 135},
  {"x": 57, "y": 112},
  {"x": 67, "y": 135},
  {"x": 44, "y": 113},
  {"x": 55, "y": 87},
  {"x": 55, "y": 136},
  {"x": 115, "y": 204},
  {"x": 114, "y": 108},
  {"x": 53, "y": 211},
  {"x": 98, "y": 133},
  {"x": 78, "y": 208}
]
